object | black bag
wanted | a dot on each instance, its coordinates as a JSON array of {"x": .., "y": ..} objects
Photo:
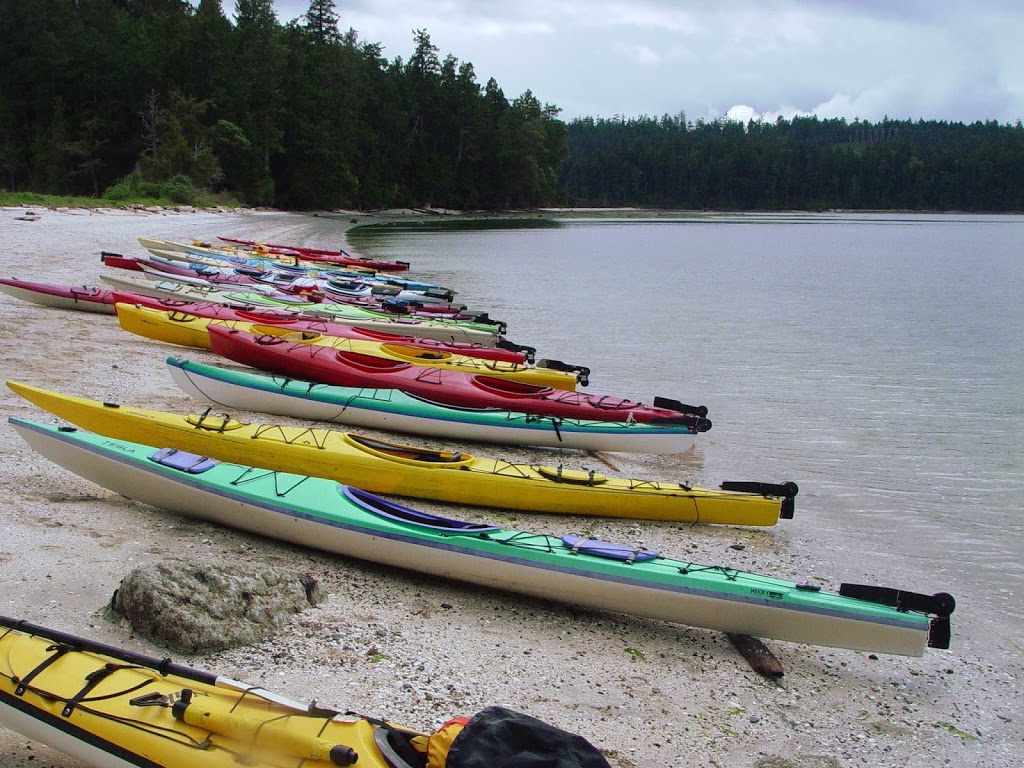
[{"x": 500, "y": 738}]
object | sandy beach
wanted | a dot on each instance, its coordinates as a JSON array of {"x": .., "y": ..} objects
[{"x": 418, "y": 650}]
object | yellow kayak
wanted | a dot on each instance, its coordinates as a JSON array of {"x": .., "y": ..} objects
[
  {"x": 392, "y": 468},
  {"x": 111, "y": 707},
  {"x": 176, "y": 327}
]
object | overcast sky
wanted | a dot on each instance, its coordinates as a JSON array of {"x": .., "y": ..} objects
[{"x": 957, "y": 60}]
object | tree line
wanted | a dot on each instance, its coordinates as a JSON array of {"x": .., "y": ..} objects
[
  {"x": 804, "y": 163},
  {"x": 119, "y": 98}
]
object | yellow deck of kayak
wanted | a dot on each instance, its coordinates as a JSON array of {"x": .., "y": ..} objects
[
  {"x": 175, "y": 327},
  {"x": 227, "y": 724},
  {"x": 391, "y": 468}
]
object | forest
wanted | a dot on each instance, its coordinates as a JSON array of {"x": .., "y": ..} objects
[
  {"x": 804, "y": 163},
  {"x": 123, "y": 98}
]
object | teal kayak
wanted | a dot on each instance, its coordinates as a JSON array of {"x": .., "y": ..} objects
[
  {"x": 573, "y": 569},
  {"x": 393, "y": 409}
]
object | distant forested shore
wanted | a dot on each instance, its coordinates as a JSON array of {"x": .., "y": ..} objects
[{"x": 170, "y": 101}]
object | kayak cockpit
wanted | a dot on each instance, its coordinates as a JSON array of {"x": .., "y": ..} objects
[
  {"x": 363, "y": 362},
  {"x": 393, "y": 511},
  {"x": 409, "y": 453},
  {"x": 509, "y": 388},
  {"x": 268, "y": 335}
]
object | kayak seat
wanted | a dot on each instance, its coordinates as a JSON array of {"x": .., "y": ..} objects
[
  {"x": 574, "y": 476},
  {"x": 409, "y": 452},
  {"x": 192, "y": 463},
  {"x": 414, "y": 353},
  {"x": 369, "y": 362}
]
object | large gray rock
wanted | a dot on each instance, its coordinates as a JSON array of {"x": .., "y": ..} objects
[{"x": 198, "y": 607}]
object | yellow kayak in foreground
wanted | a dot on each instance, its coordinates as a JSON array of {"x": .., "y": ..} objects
[
  {"x": 109, "y": 707},
  {"x": 403, "y": 470},
  {"x": 113, "y": 708}
]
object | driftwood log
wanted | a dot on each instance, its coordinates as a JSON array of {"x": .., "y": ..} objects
[
  {"x": 604, "y": 459},
  {"x": 758, "y": 655}
]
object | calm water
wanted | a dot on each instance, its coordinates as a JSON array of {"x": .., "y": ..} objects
[{"x": 876, "y": 360}]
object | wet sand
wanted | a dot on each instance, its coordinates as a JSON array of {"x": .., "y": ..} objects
[{"x": 419, "y": 650}]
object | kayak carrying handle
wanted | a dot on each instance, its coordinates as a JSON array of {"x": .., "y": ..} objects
[{"x": 940, "y": 605}]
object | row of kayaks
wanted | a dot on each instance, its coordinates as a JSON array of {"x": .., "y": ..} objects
[
  {"x": 460, "y": 383},
  {"x": 454, "y": 375},
  {"x": 330, "y": 489},
  {"x": 231, "y": 247}
]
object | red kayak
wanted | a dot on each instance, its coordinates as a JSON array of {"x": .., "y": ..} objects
[
  {"x": 120, "y": 261},
  {"x": 321, "y": 254},
  {"x": 327, "y": 365},
  {"x": 506, "y": 351},
  {"x": 85, "y": 298}
]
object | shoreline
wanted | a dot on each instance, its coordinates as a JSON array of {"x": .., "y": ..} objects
[{"x": 420, "y": 650}]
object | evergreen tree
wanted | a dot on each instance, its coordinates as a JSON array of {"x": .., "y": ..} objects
[
  {"x": 258, "y": 98},
  {"x": 208, "y": 65},
  {"x": 322, "y": 22}
]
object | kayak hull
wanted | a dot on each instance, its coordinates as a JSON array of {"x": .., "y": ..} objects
[{"x": 460, "y": 388}]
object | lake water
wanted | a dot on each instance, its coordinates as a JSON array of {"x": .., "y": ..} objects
[{"x": 877, "y": 360}]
